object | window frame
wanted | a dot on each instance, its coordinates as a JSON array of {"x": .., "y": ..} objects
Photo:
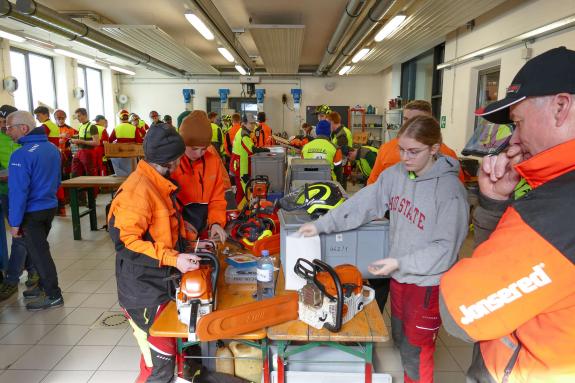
[
  {"x": 478, "y": 96},
  {"x": 84, "y": 86},
  {"x": 27, "y": 54}
]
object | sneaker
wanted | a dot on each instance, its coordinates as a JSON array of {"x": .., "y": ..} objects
[
  {"x": 45, "y": 302},
  {"x": 33, "y": 279},
  {"x": 34, "y": 292},
  {"x": 7, "y": 290}
]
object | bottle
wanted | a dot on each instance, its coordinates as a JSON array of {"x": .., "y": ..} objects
[{"x": 265, "y": 276}]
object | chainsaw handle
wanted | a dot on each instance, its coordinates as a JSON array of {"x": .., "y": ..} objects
[
  {"x": 213, "y": 258},
  {"x": 320, "y": 265},
  {"x": 300, "y": 269}
]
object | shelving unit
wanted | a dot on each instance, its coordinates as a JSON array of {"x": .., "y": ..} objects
[
  {"x": 372, "y": 125},
  {"x": 393, "y": 122}
]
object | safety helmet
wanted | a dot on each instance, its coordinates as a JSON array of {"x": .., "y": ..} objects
[
  {"x": 122, "y": 114},
  {"x": 323, "y": 109},
  {"x": 134, "y": 116},
  {"x": 227, "y": 119},
  {"x": 316, "y": 198}
]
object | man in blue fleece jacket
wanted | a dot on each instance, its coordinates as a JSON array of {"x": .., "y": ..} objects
[{"x": 34, "y": 177}]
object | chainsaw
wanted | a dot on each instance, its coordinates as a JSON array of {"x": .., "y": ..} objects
[
  {"x": 331, "y": 296},
  {"x": 196, "y": 291}
]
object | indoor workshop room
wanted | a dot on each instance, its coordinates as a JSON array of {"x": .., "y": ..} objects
[{"x": 317, "y": 191}]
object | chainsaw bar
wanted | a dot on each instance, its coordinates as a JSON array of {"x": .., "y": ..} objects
[{"x": 225, "y": 324}]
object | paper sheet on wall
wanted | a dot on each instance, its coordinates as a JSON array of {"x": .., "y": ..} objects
[{"x": 299, "y": 247}]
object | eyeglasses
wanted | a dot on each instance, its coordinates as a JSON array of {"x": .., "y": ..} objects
[
  {"x": 8, "y": 127},
  {"x": 411, "y": 153}
]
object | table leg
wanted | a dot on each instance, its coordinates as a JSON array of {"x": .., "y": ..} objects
[
  {"x": 368, "y": 362},
  {"x": 92, "y": 207},
  {"x": 280, "y": 360},
  {"x": 77, "y": 229},
  {"x": 180, "y": 358},
  {"x": 265, "y": 358}
]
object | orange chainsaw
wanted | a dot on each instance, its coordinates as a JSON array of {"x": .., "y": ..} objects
[{"x": 196, "y": 297}]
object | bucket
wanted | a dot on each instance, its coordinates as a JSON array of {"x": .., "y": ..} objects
[
  {"x": 225, "y": 361},
  {"x": 250, "y": 369}
]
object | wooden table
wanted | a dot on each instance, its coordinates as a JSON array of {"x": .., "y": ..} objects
[
  {"x": 168, "y": 325},
  {"x": 364, "y": 329},
  {"x": 89, "y": 183}
]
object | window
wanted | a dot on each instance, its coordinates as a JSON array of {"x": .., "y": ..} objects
[
  {"x": 35, "y": 74},
  {"x": 487, "y": 88},
  {"x": 421, "y": 81},
  {"x": 244, "y": 106},
  {"x": 90, "y": 80}
]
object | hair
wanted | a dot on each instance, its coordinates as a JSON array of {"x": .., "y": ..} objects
[
  {"x": 305, "y": 126},
  {"x": 424, "y": 129},
  {"x": 99, "y": 118},
  {"x": 167, "y": 118},
  {"x": 261, "y": 117},
  {"x": 59, "y": 111},
  {"x": 42, "y": 110},
  {"x": 212, "y": 115},
  {"x": 22, "y": 117},
  {"x": 420, "y": 105},
  {"x": 81, "y": 111},
  {"x": 154, "y": 112},
  {"x": 334, "y": 117},
  {"x": 236, "y": 117}
]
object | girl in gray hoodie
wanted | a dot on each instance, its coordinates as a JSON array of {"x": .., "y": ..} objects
[{"x": 428, "y": 222}]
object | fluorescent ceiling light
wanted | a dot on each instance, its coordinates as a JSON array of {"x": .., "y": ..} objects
[
  {"x": 360, "y": 55},
  {"x": 390, "y": 27},
  {"x": 199, "y": 25},
  {"x": 241, "y": 69},
  {"x": 10, "y": 36},
  {"x": 228, "y": 56},
  {"x": 344, "y": 70},
  {"x": 122, "y": 70},
  {"x": 73, "y": 55}
]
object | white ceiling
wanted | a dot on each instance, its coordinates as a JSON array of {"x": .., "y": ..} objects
[{"x": 427, "y": 24}]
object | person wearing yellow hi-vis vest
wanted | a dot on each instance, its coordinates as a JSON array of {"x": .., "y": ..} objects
[
  {"x": 124, "y": 133},
  {"x": 364, "y": 158},
  {"x": 322, "y": 148},
  {"x": 340, "y": 137},
  {"x": 242, "y": 149},
  {"x": 217, "y": 135},
  {"x": 42, "y": 114}
]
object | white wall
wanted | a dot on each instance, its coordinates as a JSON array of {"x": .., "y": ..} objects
[
  {"x": 460, "y": 83},
  {"x": 165, "y": 95},
  {"x": 5, "y": 71}
]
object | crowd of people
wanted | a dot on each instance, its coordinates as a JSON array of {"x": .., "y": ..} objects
[{"x": 514, "y": 297}]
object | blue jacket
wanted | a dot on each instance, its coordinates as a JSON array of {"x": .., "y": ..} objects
[{"x": 34, "y": 176}]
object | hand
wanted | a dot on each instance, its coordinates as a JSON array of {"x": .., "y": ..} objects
[
  {"x": 187, "y": 262},
  {"x": 497, "y": 177},
  {"x": 15, "y": 232},
  {"x": 218, "y": 232},
  {"x": 308, "y": 230},
  {"x": 383, "y": 266}
]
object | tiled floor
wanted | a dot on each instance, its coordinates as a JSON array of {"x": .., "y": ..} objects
[{"x": 60, "y": 345}]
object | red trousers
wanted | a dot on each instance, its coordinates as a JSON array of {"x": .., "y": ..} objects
[
  {"x": 85, "y": 163},
  {"x": 415, "y": 322}
]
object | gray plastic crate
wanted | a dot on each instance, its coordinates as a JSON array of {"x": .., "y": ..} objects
[
  {"x": 307, "y": 170},
  {"x": 271, "y": 165},
  {"x": 359, "y": 247}
]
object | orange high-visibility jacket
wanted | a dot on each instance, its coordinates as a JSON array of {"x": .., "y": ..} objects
[
  {"x": 388, "y": 155},
  {"x": 229, "y": 138},
  {"x": 516, "y": 295},
  {"x": 145, "y": 225},
  {"x": 262, "y": 135},
  {"x": 202, "y": 182}
]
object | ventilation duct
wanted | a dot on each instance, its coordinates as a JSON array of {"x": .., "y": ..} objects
[
  {"x": 352, "y": 10},
  {"x": 279, "y": 46}
]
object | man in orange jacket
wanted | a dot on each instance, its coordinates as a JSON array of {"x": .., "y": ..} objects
[
  {"x": 388, "y": 154},
  {"x": 515, "y": 297},
  {"x": 200, "y": 177},
  {"x": 262, "y": 134},
  {"x": 150, "y": 242},
  {"x": 231, "y": 134}
]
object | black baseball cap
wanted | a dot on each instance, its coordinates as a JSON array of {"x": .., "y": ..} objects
[
  {"x": 6, "y": 109},
  {"x": 548, "y": 74}
]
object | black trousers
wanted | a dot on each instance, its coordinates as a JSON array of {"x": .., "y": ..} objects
[
  {"x": 36, "y": 227},
  {"x": 381, "y": 287}
]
